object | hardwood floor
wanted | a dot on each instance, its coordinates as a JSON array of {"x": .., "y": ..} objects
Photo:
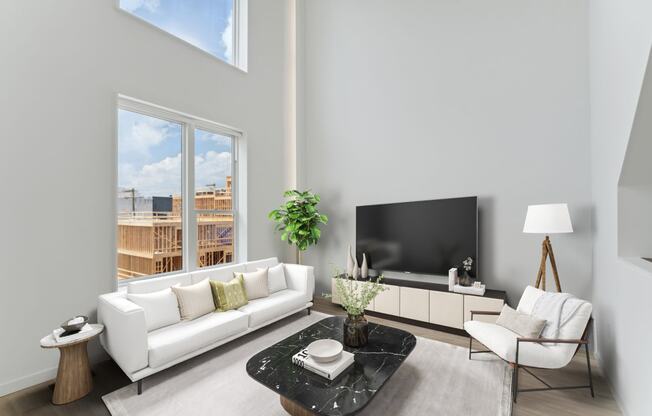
[{"x": 35, "y": 401}]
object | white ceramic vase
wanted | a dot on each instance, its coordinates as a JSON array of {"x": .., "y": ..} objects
[
  {"x": 349, "y": 262},
  {"x": 364, "y": 270},
  {"x": 356, "y": 270}
]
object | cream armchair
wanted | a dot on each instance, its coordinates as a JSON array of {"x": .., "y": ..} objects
[{"x": 522, "y": 352}]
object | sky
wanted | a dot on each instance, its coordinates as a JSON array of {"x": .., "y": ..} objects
[
  {"x": 149, "y": 156},
  {"x": 206, "y": 24}
]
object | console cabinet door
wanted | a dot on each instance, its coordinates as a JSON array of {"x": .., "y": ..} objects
[
  {"x": 388, "y": 301},
  {"x": 447, "y": 309},
  {"x": 478, "y": 303},
  {"x": 415, "y": 304}
]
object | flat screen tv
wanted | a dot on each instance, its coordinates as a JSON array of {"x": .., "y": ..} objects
[{"x": 423, "y": 237}]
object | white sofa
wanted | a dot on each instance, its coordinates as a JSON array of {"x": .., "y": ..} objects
[{"x": 140, "y": 353}]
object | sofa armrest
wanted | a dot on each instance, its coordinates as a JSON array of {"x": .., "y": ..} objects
[
  {"x": 301, "y": 278},
  {"x": 125, "y": 331}
]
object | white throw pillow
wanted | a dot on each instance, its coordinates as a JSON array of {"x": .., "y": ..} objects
[
  {"x": 276, "y": 278},
  {"x": 525, "y": 325},
  {"x": 161, "y": 308},
  {"x": 194, "y": 300},
  {"x": 255, "y": 284}
]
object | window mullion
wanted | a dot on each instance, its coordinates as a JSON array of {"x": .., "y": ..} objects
[{"x": 190, "y": 219}]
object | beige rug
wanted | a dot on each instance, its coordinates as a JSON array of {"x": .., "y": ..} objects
[{"x": 436, "y": 379}]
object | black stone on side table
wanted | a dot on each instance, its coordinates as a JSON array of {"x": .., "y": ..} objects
[{"x": 305, "y": 393}]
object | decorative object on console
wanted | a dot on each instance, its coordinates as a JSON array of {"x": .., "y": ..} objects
[
  {"x": 470, "y": 290},
  {"x": 355, "y": 296},
  {"x": 349, "y": 262},
  {"x": 452, "y": 278},
  {"x": 547, "y": 219},
  {"x": 355, "y": 273},
  {"x": 364, "y": 270},
  {"x": 298, "y": 220},
  {"x": 467, "y": 265}
]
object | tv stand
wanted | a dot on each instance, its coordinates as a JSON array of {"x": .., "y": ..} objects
[{"x": 427, "y": 302}]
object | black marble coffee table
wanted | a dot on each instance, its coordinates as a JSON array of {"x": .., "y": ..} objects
[{"x": 305, "y": 393}]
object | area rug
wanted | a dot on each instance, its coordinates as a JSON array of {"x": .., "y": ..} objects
[{"x": 436, "y": 379}]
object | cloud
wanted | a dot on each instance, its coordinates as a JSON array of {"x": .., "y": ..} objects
[
  {"x": 212, "y": 168},
  {"x": 163, "y": 178},
  {"x": 145, "y": 133},
  {"x": 227, "y": 39},
  {"x": 205, "y": 136},
  {"x": 134, "y": 5}
]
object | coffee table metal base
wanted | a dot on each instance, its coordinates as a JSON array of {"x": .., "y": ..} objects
[{"x": 294, "y": 409}]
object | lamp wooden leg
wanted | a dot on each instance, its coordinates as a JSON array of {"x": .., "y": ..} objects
[
  {"x": 541, "y": 274},
  {"x": 553, "y": 263}
]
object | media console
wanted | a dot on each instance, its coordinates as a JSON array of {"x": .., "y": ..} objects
[{"x": 429, "y": 304}]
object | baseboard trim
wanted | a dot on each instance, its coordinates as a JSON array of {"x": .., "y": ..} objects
[{"x": 28, "y": 381}]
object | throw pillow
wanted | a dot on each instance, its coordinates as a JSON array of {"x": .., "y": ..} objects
[
  {"x": 161, "y": 308},
  {"x": 229, "y": 295},
  {"x": 276, "y": 278},
  {"x": 194, "y": 300},
  {"x": 255, "y": 284},
  {"x": 523, "y": 324}
]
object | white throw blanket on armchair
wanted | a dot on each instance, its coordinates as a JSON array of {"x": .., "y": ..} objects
[{"x": 556, "y": 309}]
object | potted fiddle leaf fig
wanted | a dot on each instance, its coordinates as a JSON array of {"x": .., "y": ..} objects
[{"x": 298, "y": 220}]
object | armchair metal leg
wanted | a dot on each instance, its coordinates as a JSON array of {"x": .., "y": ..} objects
[
  {"x": 470, "y": 345},
  {"x": 588, "y": 366}
]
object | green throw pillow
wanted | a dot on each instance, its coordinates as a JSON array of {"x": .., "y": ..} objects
[{"x": 229, "y": 295}]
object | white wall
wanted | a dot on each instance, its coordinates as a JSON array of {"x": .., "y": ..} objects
[
  {"x": 425, "y": 99},
  {"x": 620, "y": 38},
  {"x": 62, "y": 65}
]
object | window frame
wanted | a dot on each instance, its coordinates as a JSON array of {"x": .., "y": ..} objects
[
  {"x": 188, "y": 212},
  {"x": 240, "y": 34}
]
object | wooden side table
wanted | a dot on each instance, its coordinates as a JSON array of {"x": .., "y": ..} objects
[{"x": 74, "y": 379}]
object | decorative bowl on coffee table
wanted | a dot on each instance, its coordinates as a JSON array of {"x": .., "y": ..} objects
[{"x": 325, "y": 350}]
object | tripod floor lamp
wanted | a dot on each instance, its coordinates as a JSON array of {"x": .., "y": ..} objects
[{"x": 547, "y": 219}]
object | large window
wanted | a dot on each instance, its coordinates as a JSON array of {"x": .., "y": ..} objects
[
  {"x": 214, "y": 26},
  {"x": 171, "y": 164}
]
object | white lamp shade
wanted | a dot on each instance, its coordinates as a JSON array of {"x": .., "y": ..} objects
[{"x": 548, "y": 219}]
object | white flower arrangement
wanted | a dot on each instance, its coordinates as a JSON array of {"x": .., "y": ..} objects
[
  {"x": 356, "y": 295},
  {"x": 467, "y": 264}
]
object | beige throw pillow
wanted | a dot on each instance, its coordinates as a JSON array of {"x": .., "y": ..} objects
[
  {"x": 276, "y": 278},
  {"x": 523, "y": 324},
  {"x": 194, "y": 300},
  {"x": 255, "y": 283}
]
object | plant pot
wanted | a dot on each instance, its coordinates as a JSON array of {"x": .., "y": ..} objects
[
  {"x": 356, "y": 331},
  {"x": 466, "y": 280}
]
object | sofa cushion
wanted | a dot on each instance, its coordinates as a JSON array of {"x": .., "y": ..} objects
[
  {"x": 194, "y": 300},
  {"x": 222, "y": 274},
  {"x": 161, "y": 308},
  {"x": 158, "y": 283},
  {"x": 263, "y": 310},
  {"x": 502, "y": 341},
  {"x": 276, "y": 278},
  {"x": 252, "y": 266},
  {"x": 255, "y": 284},
  {"x": 169, "y": 343},
  {"x": 229, "y": 295}
]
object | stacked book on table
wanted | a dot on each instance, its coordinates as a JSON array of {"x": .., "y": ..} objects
[{"x": 328, "y": 370}]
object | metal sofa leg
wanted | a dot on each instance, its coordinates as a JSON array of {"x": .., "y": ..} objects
[
  {"x": 140, "y": 386},
  {"x": 588, "y": 366},
  {"x": 308, "y": 311}
]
